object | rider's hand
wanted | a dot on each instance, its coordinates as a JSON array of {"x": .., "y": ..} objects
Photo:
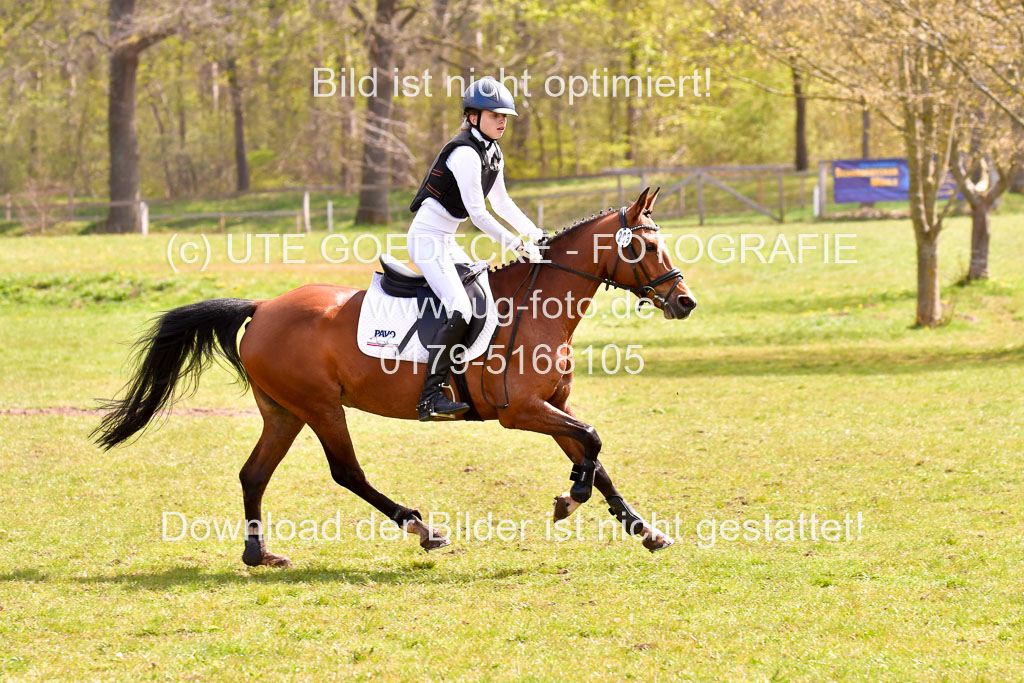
[
  {"x": 534, "y": 234},
  {"x": 530, "y": 251}
]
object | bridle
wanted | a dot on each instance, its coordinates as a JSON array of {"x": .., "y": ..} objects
[
  {"x": 622, "y": 234},
  {"x": 624, "y": 238}
]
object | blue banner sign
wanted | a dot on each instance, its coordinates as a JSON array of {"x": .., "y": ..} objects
[{"x": 876, "y": 180}]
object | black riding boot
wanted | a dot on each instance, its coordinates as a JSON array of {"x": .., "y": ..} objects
[{"x": 434, "y": 403}]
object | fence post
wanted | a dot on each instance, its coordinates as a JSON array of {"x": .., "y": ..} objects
[
  {"x": 305, "y": 212},
  {"x": 144, "y": 218},
  {"x": 71, "y": 204},
  {"x": 540, "y": 215},
  {"x": 330, "y": 216},
  {"x": 700, "y": 197},
  {"x": 619, "y": 178},
  {"x": 682, "y": 201},
  {"x": 822, "y": 197},
  {"x": 782, "y": 200},
  {"x": 223, "y": 224},
  {"x": 7, "y": 209}
]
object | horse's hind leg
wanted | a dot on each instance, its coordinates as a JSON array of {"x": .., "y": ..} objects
[
  {"x": 341, "y": 457},
  {"x": 280, "y": 427},
  {"x": 634, "y": 524}
]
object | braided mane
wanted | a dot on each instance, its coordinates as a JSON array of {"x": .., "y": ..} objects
[{"x": 567, "y": 230}]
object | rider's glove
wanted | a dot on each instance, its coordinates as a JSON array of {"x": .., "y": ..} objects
[{"x": 530, "y": 251}]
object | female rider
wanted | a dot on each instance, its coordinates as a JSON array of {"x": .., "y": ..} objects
[{"x": 468, "y": 169}]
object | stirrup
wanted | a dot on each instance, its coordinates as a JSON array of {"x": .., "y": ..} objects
[{"x": 429, "y": 411}]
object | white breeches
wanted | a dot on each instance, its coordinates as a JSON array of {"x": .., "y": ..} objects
[{"x": 435, "y": 252}]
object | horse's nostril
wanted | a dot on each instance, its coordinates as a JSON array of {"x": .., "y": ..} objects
[{"x": 687, "y": 302}]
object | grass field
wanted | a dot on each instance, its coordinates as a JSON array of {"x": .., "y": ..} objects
[{"x": 794, "y": 389}]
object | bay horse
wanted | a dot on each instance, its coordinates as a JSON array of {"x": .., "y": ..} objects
[{"x": 299, "y": 355}]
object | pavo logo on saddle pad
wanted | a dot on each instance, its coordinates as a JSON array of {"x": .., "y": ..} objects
[{"x": 383, "y": 338}]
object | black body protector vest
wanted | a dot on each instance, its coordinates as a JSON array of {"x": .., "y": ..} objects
[{"x": 440, "y": 181}]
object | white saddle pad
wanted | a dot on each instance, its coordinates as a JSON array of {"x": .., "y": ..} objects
[{"x": 384, "y": 321}]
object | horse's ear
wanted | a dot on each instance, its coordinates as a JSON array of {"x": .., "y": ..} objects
[
  {"x": 653, "y": 198},
  {"x": 633, "y": 212}
]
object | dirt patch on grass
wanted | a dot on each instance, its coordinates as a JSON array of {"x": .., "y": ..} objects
[{"x": 73, "y": 411}]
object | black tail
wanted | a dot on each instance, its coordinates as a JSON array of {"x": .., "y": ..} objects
[{"x": 180, "y": 345}]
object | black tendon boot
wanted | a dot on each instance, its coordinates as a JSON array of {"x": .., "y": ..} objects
[{"x": 434, "y": 403}]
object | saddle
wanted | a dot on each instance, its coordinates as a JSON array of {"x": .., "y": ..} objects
[{"x": 403, "y": 283}]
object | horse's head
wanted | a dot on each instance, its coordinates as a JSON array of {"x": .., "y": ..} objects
[{"x": 639, "y": 259}]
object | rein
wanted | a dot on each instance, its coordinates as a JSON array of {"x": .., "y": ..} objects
[{"x": 623, "y": 238}]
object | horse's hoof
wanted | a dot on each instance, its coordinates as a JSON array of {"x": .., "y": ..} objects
[
  {"x": 429, "y": 538},
  {"x": 272, "y": 560},
  {"x": 435, "y": 543},
  {"x": 656, "y": 542},
  {"x": 564, "y": 506}
]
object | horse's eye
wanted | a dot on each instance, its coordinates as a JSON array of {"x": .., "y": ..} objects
[{"x": 651, "y": 246}]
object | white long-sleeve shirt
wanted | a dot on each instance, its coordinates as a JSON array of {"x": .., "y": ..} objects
[{"x": 465, "y": 165}]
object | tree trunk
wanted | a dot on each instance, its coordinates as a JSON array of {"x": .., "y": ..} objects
[
  {"x": 399, "y": 163},
  {"x": 540, "y": 146},
  {"x": 558, "y": 140},
  {"x": 800, "y": 161},
  {"x": 929, "y": 302},
  {"x": 1018, "y": 183},
  {"x": 865, "y": 133},
  {"x": 122, "y": 138},
  {"x": 33, "y": 133},
  {"x": 865, "y": 144},
  {"x": 440, "y": 114},
  {"x": 348, "y": 145},
  {"x": 183, "y": 165},
  {"x": 124, "y": 143},
  {"x": 631, "y": 118},
  {"x": 238, "y": 113},
  {"x": 980, "y": 231},
  {"x": 373, "y": 193},
  {"x": 169, "y": 189},
  {"x": 925, "y": 124},
  {"x": 400, "y": 166},
  {"x": 577, "y": 143}
]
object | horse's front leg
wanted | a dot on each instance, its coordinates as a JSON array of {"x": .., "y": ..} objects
[
  {"x": 634, "y": 524},
  {"x": 582, "y": 443}
]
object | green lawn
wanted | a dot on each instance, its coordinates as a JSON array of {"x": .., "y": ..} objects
[{"x": 794, "y": 389}]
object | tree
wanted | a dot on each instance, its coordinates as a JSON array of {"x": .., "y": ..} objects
[
  {"x": 56, "y": 60},
  {"x": 993, "y": 126},
  {"x": 238, "y": 116},
  {"x": 127, "y": 41},
  {"x": 984, "y": 172},
  {"x": 868, "y": 52},
  {"x": 800, "y": 127},
  {"x": 865, "y": 143},
  {"x": 373, "y": 192}
]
